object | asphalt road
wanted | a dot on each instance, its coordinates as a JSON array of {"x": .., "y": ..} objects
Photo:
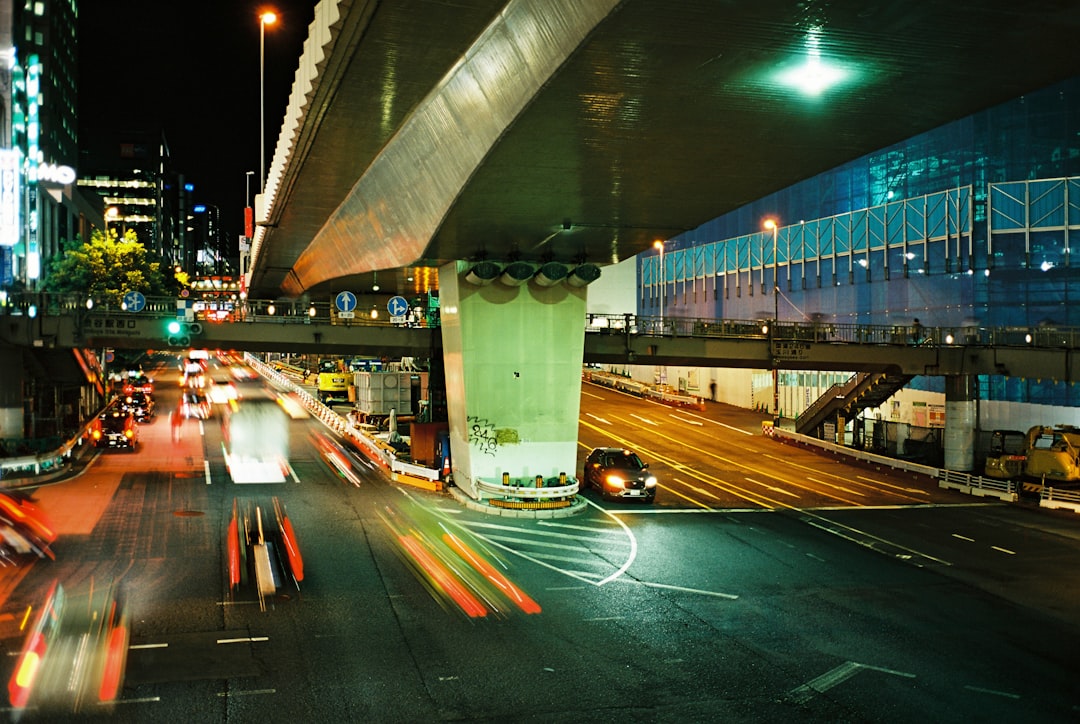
[{"x": 766, "y": 583}]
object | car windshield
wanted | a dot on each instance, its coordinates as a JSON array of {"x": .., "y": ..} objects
[{"x": 628, "y": 461}]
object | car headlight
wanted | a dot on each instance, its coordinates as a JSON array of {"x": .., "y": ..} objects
[
  {"x": 613, "y": 481},
  {"x": 650, "y": 482}
]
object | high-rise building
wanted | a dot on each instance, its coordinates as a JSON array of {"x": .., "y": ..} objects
[{"x": 40, "y": 207}]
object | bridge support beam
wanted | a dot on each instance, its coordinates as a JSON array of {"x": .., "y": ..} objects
[
  {"x": 961, "y": 419},
  {"x": 512, "y": 355},
  {"x": 11, "y": 394}
]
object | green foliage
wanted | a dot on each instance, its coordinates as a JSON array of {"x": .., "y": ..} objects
[{"x": 108, "y": 266}]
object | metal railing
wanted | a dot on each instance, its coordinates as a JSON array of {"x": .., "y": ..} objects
[
  {"x": 876, "y": 334},
  {"x": 269, "y": 311}
]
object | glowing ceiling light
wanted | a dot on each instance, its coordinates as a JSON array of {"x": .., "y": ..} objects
[{"x": 813, "y": 77}]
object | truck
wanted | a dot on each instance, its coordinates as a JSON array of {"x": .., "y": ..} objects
[
  {"x": 256, "y": 443},
  {"x": 1048, "y": 455},
  {"x": 333, "y": 382}
]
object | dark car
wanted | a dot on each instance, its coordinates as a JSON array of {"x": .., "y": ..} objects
[
  {"x": 139, "y": 404},
  {"x": 619, "y": 473},
  {"x": 115, "y": 428}
]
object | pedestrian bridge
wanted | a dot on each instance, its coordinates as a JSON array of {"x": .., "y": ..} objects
[{"x": 46, "y": 321}]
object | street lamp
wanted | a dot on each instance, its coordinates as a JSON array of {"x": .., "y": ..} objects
[
  {"x": 774, "y": 227},
  {"x": 267, "y": 17},
  {"x": 659, "y": 244},
  {"x": 111, "y": 214},
  {"x": 771, "y": 225}
]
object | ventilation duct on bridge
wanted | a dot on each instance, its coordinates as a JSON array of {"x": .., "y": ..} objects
[
  {"x": 517, "y": 273},
  {"x": 583, "y": 275},
  {"x": 483, "y": 273},
  {"x": 550, "y": 274}
]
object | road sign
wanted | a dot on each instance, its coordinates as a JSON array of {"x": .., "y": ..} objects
[
  {"x": 397, "y": 306},
  {"x": 345, "y": 302},
  {"x": 346, "y": 315},
  {"x": 134, "y": 301}
]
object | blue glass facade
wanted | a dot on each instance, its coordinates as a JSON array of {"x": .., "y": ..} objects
[{"x": 973, "y": 222}]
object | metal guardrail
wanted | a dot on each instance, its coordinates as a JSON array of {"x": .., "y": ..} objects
[
  {"x": 30, "y": 469},
  {"x": 520, "y": 491},
  {"x": 1057, "y": 498},
  {"x": 1007, "y": 490}
]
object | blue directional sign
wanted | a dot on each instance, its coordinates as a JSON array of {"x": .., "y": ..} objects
[
  {"x": 397, "y": 306},
  {"x": 345, "y": 302},
  {"x": 134, "y": 301}
]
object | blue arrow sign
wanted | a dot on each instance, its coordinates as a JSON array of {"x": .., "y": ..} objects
[
  {"x": 134, "y": 301},
  {"x": 345, "y": 301},
  {"x": 397, "y": 306}
]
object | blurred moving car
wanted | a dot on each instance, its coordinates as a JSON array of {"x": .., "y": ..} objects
[
  {"x": 619, "y": 473},
  {"x": 195, "y": 404},
  {"x": 74, "y": 654},
  {"x": 221, "y": 391},
  {"x": 115, "y": 428},
  {"x": 24, "y": 528},
  {"x": 139, "y": 404}
]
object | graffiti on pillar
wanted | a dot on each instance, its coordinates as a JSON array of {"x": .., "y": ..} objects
[
  {"x": 482, "y": 435},
  {"x": 486, "y": 438}
]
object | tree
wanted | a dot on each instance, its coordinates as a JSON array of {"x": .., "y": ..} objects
[{"x": 107, "y": 267}]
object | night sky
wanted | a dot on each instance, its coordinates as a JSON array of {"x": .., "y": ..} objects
[{"x": 192, "y": 69}]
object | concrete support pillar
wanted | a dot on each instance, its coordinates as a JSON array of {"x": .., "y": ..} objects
[
  {"x": 512, "y": 352},
  {"x": 11, "y": 394},
  {"x": 961, "y": 420}
]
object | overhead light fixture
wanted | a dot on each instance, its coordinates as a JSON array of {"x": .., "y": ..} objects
[
  {"x": 583, "y": 275},
  {"x": 483, "y": 273},
  {"x": 517, "y": 273},
  {"x": 550, "y": 274}
]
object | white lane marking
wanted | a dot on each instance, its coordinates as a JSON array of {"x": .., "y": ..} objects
[
  {"x": 995, "y": 692},
  {"x": 882, "y": 483},
  {"x": 249, "y": 692},
  {"x": 645, "y": 420},
  {"x": 292, "y": 472},
  {"x": 206, "y": 471},
  {"x": 598, "y": 419},
  {"x": 696, "y": 489},
  {"x": 716, "y": 422},
  {"x": 243, "y": 640},
  {"x": 963, "y": 537},
  {"x": 769, "y": 487},
  {"x": 806, "y": 692},
  {"x": 1003, "y": 550},
  {"x": 585, "y": 392},
  {"x": 688, "y": 422},
  {"x": 832, "y": 526},
  {"x": 835, "y": 487},
  {"x": 669, "y": 587},
  {"x": 603, "y": 618},
  {"x": 140, "y": 700},
  {"x": 148, "y": 646}
]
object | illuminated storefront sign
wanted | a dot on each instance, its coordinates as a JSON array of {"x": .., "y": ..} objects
[{"x": 10, "y": 193}]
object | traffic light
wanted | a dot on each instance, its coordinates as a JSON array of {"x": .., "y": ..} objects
[{"x": 179, "y": 333}]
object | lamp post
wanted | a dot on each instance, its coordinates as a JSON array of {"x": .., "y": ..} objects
[
  {"x": 659, "y": 244},
  {"x": 111, "y": 214},
  {"x": 774, "y": 227},
  {"x": 266, "y": 18}
]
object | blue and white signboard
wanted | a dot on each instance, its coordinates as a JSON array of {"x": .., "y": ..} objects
[
  {"x": 134, "y": 301},
  {"x": 397, "y": 306},
  {"x": 346, "y": 304}
]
